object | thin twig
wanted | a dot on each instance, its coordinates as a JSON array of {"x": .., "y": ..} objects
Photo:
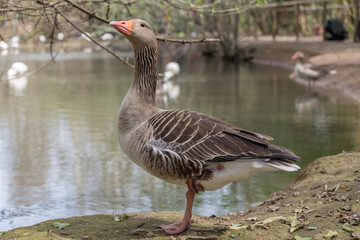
[
  {"x": 92, "y": 14},
  {"x": 184, "y": 41},
  {"x": 261, "y": 223},
  {"x": 52, "y": 36},
  {"x": 94, "y": 40}
]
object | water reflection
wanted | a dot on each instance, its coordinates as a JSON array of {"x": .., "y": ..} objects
[
  {"x": 59, "y": 154},
  {"x": 18, "y": 85}
]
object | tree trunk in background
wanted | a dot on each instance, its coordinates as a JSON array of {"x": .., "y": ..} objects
[
  {"x": 227, "y": 28},
  {"x": 236, "y": 33},
  {"x": 297, "y": 23},
  {"x": 302, "y": 22},
  {"x": 274, "y": 24},
  {"x": 255, "y": 25},
  {"x": 356, "y": 24},
  {"x": 262, "y": 21},
  {"x": 324, "y": 19}
]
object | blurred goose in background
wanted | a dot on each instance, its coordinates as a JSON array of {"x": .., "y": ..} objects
[
  {"x": 185, "y": 147},
  {"x": 304, "y": 71}
]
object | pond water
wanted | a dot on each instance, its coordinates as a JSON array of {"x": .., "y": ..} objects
[{"x": 59, "y": 155}]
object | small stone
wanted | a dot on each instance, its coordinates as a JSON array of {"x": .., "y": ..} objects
[
  {"x": 308, "y": 211},
  {"x": 315, "y": 187},
  {"x": 273, "y": 208},
  {"x": 354, "y": 221},
  {"x": 250, "y": 227},
  {"x": 297, "y": 210},
  {"x": 345, "y": 199},
  {"x": 324, "y": 194},
  {"x": 355, "y": 235},
  {"x": 296, "y": 194}
]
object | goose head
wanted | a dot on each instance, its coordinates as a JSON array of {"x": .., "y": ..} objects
[
  {"x": 298, "y": 55},
  {"x": 137, "y": 31}
]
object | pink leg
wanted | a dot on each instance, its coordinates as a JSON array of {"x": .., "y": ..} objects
[{"x": 177, "y": 228}]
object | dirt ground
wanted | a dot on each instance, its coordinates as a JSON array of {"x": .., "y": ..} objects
[
  {"x": 323, "y": 203},
  {"x": 344, "y": 57}
]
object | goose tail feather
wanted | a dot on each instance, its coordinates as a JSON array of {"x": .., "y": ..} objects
[{"x": 282, "y": 159}]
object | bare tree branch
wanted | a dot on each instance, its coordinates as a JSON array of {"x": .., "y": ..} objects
[
  {"x": 183, "y": 41},
  {"x": 94, "y": 40},
  {"x": 92, "y": 14}
]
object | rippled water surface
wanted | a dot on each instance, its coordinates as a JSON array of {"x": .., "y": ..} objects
[{"x": 59, "y": 155}]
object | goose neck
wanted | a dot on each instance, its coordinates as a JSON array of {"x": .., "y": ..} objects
[{"x": 146, "y": 73}]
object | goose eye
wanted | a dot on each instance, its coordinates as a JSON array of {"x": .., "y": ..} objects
[{"x": 143, "y": 25}]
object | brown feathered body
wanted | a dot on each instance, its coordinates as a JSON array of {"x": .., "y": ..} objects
[{"x": 175, "y": 145}]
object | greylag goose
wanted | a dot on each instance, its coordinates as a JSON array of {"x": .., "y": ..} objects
[
  {"x": 184, "y": 147},
  {"x": 303, "y": 70}
]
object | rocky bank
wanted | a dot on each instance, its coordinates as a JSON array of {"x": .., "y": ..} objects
[{"x": 323, "y": 203}]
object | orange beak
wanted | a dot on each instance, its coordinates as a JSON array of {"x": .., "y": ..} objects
[
  {"x": 294, "y": 57},
  {"x": 123, "y": 26}
]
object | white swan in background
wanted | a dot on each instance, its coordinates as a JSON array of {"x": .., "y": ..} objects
[
  {"x": 172, "y": 89},
  {"x": 3, "y": 45},
  {"x": 18, "y": 84},
  {"x": 18, "y": 68},
  {"x": 168, "y": 88},
  {"x": 14, "y": 42},
  {"x": 171, "y": 69},
  {"x": 42, "y": 38},
  {"x": 84, "y": 36},
  {"x": 107, "y": 37},
  {"x": 60, "y": 36},
  {"x": 4, "y": 48},
  {"x": 165, "y": 88}
]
